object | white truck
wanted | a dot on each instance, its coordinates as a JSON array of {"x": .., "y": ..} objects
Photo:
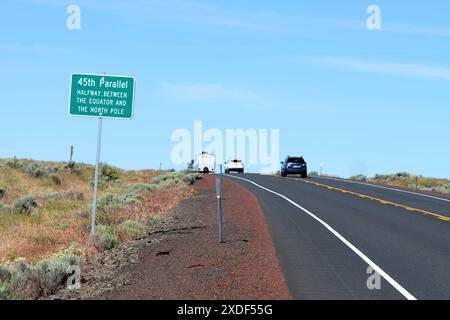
[
  {"x": 234, "y": 165},
  {"x": 204, "y": 162}
]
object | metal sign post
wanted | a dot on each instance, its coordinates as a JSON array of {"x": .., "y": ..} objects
[
  {"x": 97, "y": 165},
  {"x": 219, "y": 207},
  {"x": 101, "y": 96}
]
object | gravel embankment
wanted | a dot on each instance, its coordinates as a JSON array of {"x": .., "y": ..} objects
[{"x": 180, "y": 258}]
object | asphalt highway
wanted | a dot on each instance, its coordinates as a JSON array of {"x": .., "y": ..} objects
[{"x": 342, "y": 240}]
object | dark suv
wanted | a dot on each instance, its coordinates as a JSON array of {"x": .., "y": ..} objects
[{"x": 294, "y": 165}]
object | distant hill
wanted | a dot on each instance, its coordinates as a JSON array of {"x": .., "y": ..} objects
[{"x": 408, "y": 181}]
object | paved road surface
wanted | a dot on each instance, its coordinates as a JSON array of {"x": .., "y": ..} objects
[{"x": 330, "y": 235}]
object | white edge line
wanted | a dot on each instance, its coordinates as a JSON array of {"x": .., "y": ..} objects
[
  {"x": 366, "y": 259},
  {"x": 387, "y": 188}
]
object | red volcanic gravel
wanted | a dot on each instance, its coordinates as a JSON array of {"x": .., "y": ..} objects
[{"x": 184, "y": 260}]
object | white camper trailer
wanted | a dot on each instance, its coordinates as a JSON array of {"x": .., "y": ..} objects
[{"x": 204, "y": 162}]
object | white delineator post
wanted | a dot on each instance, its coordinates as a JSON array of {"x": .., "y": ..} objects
[
  {"x": 219, "y": 206},
  {"x": 97, "y": 165}
]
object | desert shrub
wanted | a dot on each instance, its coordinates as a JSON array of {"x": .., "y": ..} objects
[
  {"x": 105, "y": 237},
  {"x": 51, "y": 196},
  {"x": 5, "y": 275},
  {"x": 60, "y": 226},
  {"x": 158, "y": 179},
  {"x": 19, "y": 276},
  {"x": 4, "y": 292},
  {"x": 53, "y": 271},
  {"x": 42, "y": 279},
  {"x": 382, "y": 177},
  {"x": 53, "y": 169},
  {"x": 109, "y": 173},
  {"x": 106, "y": 200},
  {"x": 6, "y": 209},
  {"x": 314, "y": 174},
  {"x": 132, "y": 228},
  {"x": 55, "y": 178},
  {"x": 402, "y": 175},
  {"x": 34, "y": 170},
  {"x": 111, "y": 201},
  {"x": 172, "y": 181},
  {"x": 106, "y": 205},
  {"x": 73, "y": 195},
  {"x": 68, "y": 195},
  {"x": 167, "y": 179},
  {"x": 72, "y": 168},
  {"x": 14, "y": 163},
  {"x": 175, "y": 178},
  {"x": 25, "y": 205},
  {"x": 427, "y": 182},
  {"x": 84, "y": 214},
  {"x": 130, "y": 199},
  {"x": 70, "y": 165},
  {"x": 359, "y": 177},
  {"x": 190, "y": 178},
  {"x": 2, "y": 192},
  {"x": 143, "y": 187},
  {"x": 392, "y": 177}
]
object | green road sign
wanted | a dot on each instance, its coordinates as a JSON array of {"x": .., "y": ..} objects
[{"x": 104, "y": 96}]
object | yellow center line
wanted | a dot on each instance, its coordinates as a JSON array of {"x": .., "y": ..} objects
[{"x": 365, "y": 196}]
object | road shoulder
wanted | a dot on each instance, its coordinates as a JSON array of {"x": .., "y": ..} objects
[{"x": 180, "y": 257}]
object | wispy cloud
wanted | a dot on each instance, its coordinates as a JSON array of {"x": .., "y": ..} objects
[
  {"x": 29, "y": 48},
  {"x": 190, "y": 11},
  {"x": 431, "y": 31},
  {"x": 385, "y": 67},
  {"x": 206, "y": 92},
  {"x": 387, "y": 26}
]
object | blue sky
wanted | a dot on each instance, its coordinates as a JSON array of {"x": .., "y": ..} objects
[{"x": 361, "y": 101}]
